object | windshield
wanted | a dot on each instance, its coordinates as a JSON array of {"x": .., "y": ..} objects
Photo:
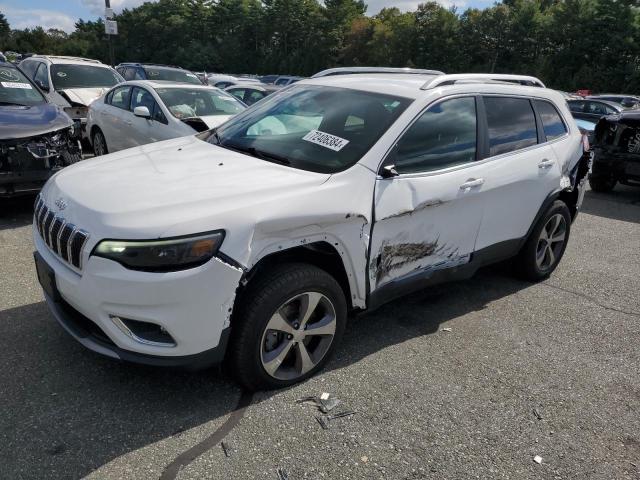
[
  {"x": 15, "y": 89},
  {"x": 172, "y": 75},
  {"x": 322, "y": 129},
  {"x": 83, "y": 76},
  {"x": 199, "y": 102}
]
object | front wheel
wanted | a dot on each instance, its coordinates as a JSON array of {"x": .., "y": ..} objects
[
  {"x": 286, "y": 327},
  {"x": 545, "y": 246},
  {"x": 99, "y": 144}
]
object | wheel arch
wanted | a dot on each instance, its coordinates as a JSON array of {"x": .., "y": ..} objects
[{"x": 321, "y": 254}]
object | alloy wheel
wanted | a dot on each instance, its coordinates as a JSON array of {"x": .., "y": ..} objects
[
  {"x": 551, "y": 242},
  {"x": 99, "y": 144},
  {"x": 298, "y": 336}
]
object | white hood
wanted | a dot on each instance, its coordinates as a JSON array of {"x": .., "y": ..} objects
[
  {"x": 84, "y": 96},
  {"x": 213, "y": 121},
  {"x": 146, "y": 191}
]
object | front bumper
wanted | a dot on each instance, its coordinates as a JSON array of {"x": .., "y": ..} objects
[
  {"x": 194, "y": 306},
  {"x": 23, "y": 183}
]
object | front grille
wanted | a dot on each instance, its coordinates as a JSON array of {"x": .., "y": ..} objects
[{"x": 63, "y": 238}]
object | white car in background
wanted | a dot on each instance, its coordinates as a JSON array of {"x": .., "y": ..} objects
[
  {"x": 142, "y": 111},
  {"x": 71, "y": 82}
]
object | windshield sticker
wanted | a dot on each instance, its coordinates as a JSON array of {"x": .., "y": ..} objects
[
  {"x": 326, "y": 140},
  {"x": 8, "y": 74},
  {"x": 61, "y": 74},
  {"x": 25, "y": 86}
]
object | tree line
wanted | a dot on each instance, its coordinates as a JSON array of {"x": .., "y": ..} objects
[{"x": 569, "y": 44}]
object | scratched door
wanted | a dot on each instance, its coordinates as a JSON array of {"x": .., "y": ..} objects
[{"x": 428, "y": 216}]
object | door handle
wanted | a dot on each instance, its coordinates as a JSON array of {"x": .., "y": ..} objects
[
  {"x": 546, "y": 163},
  {"x": 472, "y": 183}
]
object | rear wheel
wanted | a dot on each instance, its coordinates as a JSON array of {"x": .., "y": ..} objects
[
  {"x": 602, "y": 183},
  {"x": 287, "y": 326},
  {"x": 546, "y": 245},
  {"x": 99, "y": 143}
]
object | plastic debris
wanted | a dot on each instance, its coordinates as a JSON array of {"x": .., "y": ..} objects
[
  {"x": 325, "y": 402},
  {"x": 346, "y": 413},
  {"x": 225, "y": 449},
  {"x": 446, "y": 329},
  {"x": 537, "y": 414},
  {"x": 537, "y": 459},
  {"x": 282, "y": 475},
  {"x": 323, "y": 423}
]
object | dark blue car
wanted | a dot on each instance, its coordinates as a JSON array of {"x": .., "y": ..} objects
[{"x": 36, "y": 137}]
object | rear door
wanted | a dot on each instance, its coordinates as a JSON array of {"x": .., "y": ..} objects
[
  {"x": 114, "y": 117},
  {"x": 521, "y": 171},
  {"x": 428, "y": 216}
]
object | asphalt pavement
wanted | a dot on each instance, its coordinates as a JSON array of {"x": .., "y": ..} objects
[{"x": 462, "y": 381}]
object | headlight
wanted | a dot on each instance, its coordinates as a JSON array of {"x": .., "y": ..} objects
[{"x": 164, "y": 255}]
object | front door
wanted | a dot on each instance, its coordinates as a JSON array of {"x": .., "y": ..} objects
[{"x": 428, "y": 216}]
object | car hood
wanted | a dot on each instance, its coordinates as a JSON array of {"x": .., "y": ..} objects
[
  {"x": 28, "y": 121},
  {"x": 150, "y": 191},
  {"x": 82, "y": 96},
  {"x": 213, "y": 121}
]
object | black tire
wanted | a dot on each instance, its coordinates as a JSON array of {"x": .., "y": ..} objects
[
  {"x": 265, "y": 295},
  {"x": 527, "y": 265},
  {"x": 602, "y": 183},
  {"x": 99, "y": 143}
]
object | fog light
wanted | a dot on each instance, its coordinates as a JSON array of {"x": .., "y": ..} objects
[{"x": 146, "y": 333}]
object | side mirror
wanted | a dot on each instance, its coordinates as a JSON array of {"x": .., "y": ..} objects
[
  {"x": 42, "y": 86},
  {"x": 142, "y": 111},
  {"x": 388, "y": 171}
]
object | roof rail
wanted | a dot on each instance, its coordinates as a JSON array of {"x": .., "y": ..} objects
[
  {"x": 356, "y": 70},
  {"x": 443, "y": 80},
  {"x": 65, "y": 57}
]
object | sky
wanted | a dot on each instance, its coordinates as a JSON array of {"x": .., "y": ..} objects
[{"x": 63, "y": 14}]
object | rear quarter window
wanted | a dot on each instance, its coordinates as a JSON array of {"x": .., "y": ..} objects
[{"x": 552, "y": 122}]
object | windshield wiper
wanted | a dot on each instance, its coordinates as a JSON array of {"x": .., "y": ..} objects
[
  {"x": 14, "y": 103},
  {"x": 261, "y": 154}
]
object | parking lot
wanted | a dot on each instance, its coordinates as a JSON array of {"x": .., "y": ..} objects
[{"x": 465, "y": 380}]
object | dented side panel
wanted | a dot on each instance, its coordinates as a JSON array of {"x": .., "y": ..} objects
[
  {"x": 424, "y": 223},
  {"x": 337, "y": 212}
]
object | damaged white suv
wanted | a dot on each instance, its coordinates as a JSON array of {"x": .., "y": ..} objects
[{"x": 252, "y": 242}]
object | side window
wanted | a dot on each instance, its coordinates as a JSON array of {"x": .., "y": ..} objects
[
  {"x": 281, "y": 81},
  {"x": 238, "y": 93},
  {"x": 157, "y": 114},
  {"x": 577, "y": 106},
  {"x": 29, "y": 68},
  {"x": 609, "y": 110},
  {"x": 120, "y": 97},
  {"x": 444, "y": 136},
  {"x": 511, "y": 123},
  {"x": 129, "y": 73},
  {"x": 142, "y": 98},
  {"x": 552, "y": 122},
  {"x": 120, "y": 70},
  {"x": 108, "y": 97},
  {"x": 138, "y": 74},
  {"x": 254, "y": 96},
  {"x": 598, "y": 108},
  {"x": 41, "y": 77}
]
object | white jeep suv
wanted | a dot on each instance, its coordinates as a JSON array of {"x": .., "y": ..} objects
[{"x": 253, "y": 241}]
